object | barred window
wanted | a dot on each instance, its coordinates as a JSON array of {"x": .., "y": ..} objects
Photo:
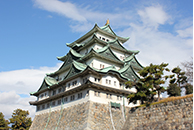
[{"x": 59, "y": 102}]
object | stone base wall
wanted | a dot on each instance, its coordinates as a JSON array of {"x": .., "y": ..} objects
[
  {"x": 84, "y": 116},
  {"x": 174, "y": 115}
]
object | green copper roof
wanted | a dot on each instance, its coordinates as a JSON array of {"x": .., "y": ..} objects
[
  {"x": 67, "y": 60},
  {"x": 128, "y": 72},
  {"x": 76, "y": 67},
  {"x": 107, "y": 53},
  {"x": 107, "y": 29},
  {"x": 47, "y": 82},
  {"x": 133, "y": 62},
  {"x": 73, "y": 53}
]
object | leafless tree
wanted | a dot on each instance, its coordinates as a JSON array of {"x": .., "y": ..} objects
[{"x": 187, "y": 66}]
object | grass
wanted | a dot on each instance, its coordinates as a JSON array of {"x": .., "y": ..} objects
[{"x": 169, "y": 99}]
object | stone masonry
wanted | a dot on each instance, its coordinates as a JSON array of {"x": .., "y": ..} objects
[
  {"x": 85, "y": 116},
  {"x": 174, "y": 115}
]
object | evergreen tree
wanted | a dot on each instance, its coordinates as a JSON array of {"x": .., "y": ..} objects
[
  {"x": 3, "y": 123},
  {"x": 20, "y": 120},
  {"x": 189, "y": 88},
  {"x": 178, "y": 79},
  {"x": 174, "y": 90},
  {"x": 149, "y": 83}
]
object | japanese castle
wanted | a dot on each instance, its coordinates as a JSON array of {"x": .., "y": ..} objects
[{"x": 95, "y": 69}]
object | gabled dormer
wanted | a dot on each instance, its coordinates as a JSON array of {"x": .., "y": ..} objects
[{"x": 104, "y": 31}]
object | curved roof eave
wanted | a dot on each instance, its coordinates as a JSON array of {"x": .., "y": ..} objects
[{"x": 93, "y": 30}]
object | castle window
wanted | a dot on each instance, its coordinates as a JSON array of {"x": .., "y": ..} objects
[
  {"x": 99, "y": 37},
  {"x": 101, "y": 66},
  {"x": 120, "y": 85},
  {"x": 53, "y": 103},
  {"x": 43, "y": 106},
  {"x": 79, "y": 95},
  {"x": 98, "y": 94},
  {"x": 65, "y": 99},
  {"x": 45, "y": 94},
  {"x": 109, "y": 96},
  {"x": 47, "y": 105},
  {"x": 109, "y": 81},
  {"x": 106, "y": 81},
  {"x": 107, "y": 40},
  {"x": 103, "y": 38},
  {"x": 95, "y": 93},
  {"x": 96, "y": 80},
  {"x": 72, "y": 97},
  {"x": 42, "y": 95},
  {"x": 87, "y": 93},
  {"x": 119, "y": 97},
  {"x": 59, "y": 90},
  {"x": 59, "y": 102},
  {"x": 115, "y": 83},
  {"x": 69, "y": 85},
  {"x": 38, "y": 108},
  {"x": 74, "y": 83},
  {"x": 54, "y": 92}
]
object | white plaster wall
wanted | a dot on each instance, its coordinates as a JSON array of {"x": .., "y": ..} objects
[
  {"x": 103, "y": 98},
  {"x": 44, "y": 97},
  {"x": 118, "y": 54},
  {"x": 79, "y": 82},
  {"x": 85, "y": 98},
  {"x": 97, "y": 46},
  {"x": 96, "y": 63},
  {"x": 103, "y": 36},
  {"x": 112, "y": 79}
]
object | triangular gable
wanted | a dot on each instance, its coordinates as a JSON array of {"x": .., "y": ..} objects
[
  {"x": 105, "y": 29},
  {"x": 108, "y": 53},
  {"x": 75, "y": 68},
  {"x": 69, "y": 58},
  {"x": 47, "y": 82},
  {"x": 108, "y": 29},
  {"x": 72, "y": 53},
  {"x": 128, "y": 72},
  {"x": 116, "y": 44},
  {"x": 133, "y": 62}
]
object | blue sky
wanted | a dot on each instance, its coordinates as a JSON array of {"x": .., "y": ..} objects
[{"x": 34, "y": 32}]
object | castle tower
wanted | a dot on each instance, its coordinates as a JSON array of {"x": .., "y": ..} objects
[{"x": 90, "y": 81}]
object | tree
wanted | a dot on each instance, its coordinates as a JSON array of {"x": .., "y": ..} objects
[
  {"x": 188, "y": 68},
  {"x": 174, "y": 90},
  {"x": 3, "y": 123},
  {"x": 189, "y": 88},
  {"x": 149, "y": 83},
  {"x": 177, "y": 80},
  {"x": 20, "y": 120}
]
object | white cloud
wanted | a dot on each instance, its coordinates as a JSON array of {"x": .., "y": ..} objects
[
  {"x": 153, "y": 16},
  {"x": 188, "y": 32},
  {"x": 15, "y": 84},
  {"x": 10, "y": 101},
  {"x": 25, "y": 80},
  {"x": 157, "y": 47},
  {"x": 63, "y": 8}
]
